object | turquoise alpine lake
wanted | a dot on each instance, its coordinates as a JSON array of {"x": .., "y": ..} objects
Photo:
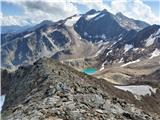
[{"x": 89, "y": 71}]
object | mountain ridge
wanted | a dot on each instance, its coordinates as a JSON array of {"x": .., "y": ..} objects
[{"x": 50, "y": 86}]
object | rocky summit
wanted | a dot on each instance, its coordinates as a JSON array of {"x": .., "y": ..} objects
[{"x": 49, "y": 90}]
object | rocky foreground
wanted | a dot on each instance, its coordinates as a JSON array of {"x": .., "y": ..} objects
[{"x": 52, "y": 91}]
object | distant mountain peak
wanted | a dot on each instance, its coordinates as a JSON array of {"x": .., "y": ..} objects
[
  {"x": 106, "y": 13},
  {"x": 104, "y": 10},
  {"x": 130, "y": 23},
  {"x": 41, "y": 24},
  {"x": 120, "y": 14},
  {"x": 46, "y": 22},
  {"x": 92, "y": 11},
  {"x": 52, "y": 37}
]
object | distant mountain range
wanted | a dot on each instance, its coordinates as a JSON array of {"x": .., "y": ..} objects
[
  {"x": 80, "y": 36},
  {"x": 13, "y": 29}
]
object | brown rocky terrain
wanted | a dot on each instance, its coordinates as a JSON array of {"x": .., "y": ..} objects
[
  {"x": 119, "y": 74},
  {"x": 53, "y": 91}
]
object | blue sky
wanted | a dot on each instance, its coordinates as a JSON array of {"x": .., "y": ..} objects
[
  {"x": 155, "y": 6},
  {"x": 11, "y": 9},
  {"x": 21, "y": 11}
]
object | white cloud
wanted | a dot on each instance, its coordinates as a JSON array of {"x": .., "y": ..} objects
[
  {"x": 36, "y": 11},
  {"x": 14, "y": 20},
  {"x": 135, "y": 9},
  {"x": 59, "y": 9},
  {"x": 92, "y": 4},
  {"x": 119, "y": 5}
]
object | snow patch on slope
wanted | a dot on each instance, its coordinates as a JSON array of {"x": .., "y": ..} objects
[
  {"x": 135, "y": 49},
  {"x": 158, "y": 32},
  {"x": 98, "y": 17},
  {"x": 138, "y": 89},
  {"x": 138, "y": 60},
  {"x": 85, "y": 33},
  {"x": 99, "y": 51},
  {"x": 150, "y": 41},
  {"x": 102, "y": 68},
  {"x": 28, "y": 35},
  {"x": 127, "y": 47},
  {"x": 103, "y": 36},
  {"x": 121, "y": 60},
  {"x": 2, "y": 99},
  {"x": 72, "y": 21},
  {"x": 50, "y": 40},
  {"x": 89, "y": 17},
  {"x": 155, "y": 53},
  {"x": 108, "y": 53}
]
